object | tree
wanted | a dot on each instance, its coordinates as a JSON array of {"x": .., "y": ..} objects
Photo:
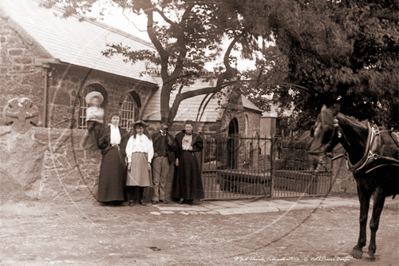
[
  {"x": 267, "y": 79},
  {"x": 333, "y": 48},
  {"x": 337, "y": 48},
  {"x": 190, "y": 35}
]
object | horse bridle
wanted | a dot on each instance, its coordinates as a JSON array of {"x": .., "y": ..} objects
[
  {"x": 336, "y": 130},
  {"x": 370, "y": 154}
]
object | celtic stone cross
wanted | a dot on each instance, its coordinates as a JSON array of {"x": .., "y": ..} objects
[{"x": 21, "y": 113}]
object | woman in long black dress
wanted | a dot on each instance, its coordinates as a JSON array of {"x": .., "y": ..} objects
[
  {"x": 187, "y": 185},
  {"x": 112, "y": 142}
]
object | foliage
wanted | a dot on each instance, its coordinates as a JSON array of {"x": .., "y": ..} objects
[
  {"x": 189, "y": 35},
  {"x": 338, "y": 48},
  {"x": 324, "y": 49},
  {"x": 267, "y": 78}
]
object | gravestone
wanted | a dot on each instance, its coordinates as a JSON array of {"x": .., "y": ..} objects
[{"x": 21, "y": 155}]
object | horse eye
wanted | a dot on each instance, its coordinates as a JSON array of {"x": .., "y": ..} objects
[
  {"x": 327, "y": 130},
  {"x": 312, "y": 131}
]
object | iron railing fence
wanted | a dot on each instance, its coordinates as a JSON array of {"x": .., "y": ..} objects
[
  {"x": 298, "y": 174},
  {"x": 238, "y": 168}
]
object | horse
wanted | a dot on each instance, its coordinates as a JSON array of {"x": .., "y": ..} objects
[{"x": 371, "y": 155}]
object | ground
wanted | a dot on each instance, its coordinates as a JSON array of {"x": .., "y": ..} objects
[{"x": 36, "y": 233}]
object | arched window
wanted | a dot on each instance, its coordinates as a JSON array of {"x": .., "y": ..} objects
[
  {"x": 129, "y": 109},
  {"x": 127, "y": 112},
  {"x": 84, "y": 105}
]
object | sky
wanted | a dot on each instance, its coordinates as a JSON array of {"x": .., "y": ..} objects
[
  {"x": 128, "y": 22},
  {"x": 137, "y": 26}
]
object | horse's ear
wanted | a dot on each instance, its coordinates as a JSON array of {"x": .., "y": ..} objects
[
  {"x": 324, "y": 111},
  {"x": 335, "y": 108}
]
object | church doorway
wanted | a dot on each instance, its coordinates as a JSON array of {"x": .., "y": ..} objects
[{"x": 232, "y": 144}]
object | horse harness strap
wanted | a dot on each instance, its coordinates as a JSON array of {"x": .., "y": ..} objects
[
  {"x": 391, "y": 161},
  {"x": 369, "y": 154},
  {"x": 338, "y": 156}
]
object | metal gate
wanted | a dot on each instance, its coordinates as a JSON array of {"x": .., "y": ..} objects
[{"x": 238, "y": 168}]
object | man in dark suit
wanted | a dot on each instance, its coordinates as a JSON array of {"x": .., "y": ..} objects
[{"x": 164, "y": 154}]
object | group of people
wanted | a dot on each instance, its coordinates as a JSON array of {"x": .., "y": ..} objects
[{"x": 135, "y": 160}]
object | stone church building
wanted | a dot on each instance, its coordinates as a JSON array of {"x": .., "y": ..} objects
[{"x": 55, "y": 62}]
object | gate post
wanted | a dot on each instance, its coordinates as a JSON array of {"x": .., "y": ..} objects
[{"x": 272, "y": 140}]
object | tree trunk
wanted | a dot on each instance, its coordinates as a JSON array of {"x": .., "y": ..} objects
[{"x": 165, "y": 98}]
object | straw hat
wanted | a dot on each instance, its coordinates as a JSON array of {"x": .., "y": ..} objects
[
  {"x": 140, "y": 122},
  {"x": 164, "y": 127},
  {"x": 91, "y": 95}
]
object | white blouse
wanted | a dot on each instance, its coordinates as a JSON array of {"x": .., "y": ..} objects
[
  {"x": 139, "y": 144},
  {"x": 115, "y": 135},
  {"x": 94, "y": 113},
  {"x": 187, "y": 143}
]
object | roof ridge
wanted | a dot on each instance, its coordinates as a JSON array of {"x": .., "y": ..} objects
[
  {"x": 254, "y": 107},
  {"x": 101, "y": 24}
]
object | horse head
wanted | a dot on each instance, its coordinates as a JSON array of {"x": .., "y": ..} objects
[{"x": 325, "y": 132}]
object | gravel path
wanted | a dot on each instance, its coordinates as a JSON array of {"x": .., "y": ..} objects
[{"x": 48, "y": 234}]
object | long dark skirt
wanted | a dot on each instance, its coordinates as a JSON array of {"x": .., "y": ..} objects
[
  {"x": 92, "y": 135},
  {"x": 111, "y": 186},
  {"x": 188, "y": 183}
]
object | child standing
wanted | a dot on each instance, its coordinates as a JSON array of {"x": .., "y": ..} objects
[{"x": 94, "y": 119}]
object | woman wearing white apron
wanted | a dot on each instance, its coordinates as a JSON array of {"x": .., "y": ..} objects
[{"x": 139, "y": 152}]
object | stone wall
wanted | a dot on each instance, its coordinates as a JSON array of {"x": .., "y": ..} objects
[
  {"x": 344, "y": 181},
  {"x": 68, "y": 86},
  {"x": 253, "y": 124},
  {"x": 20, "y": 77},
  {"x": 293, "y": 156},
  {"x": 233, "y": 108},
  {"x": 48, "y": 165},
  {"x": 18, "y": 74}
]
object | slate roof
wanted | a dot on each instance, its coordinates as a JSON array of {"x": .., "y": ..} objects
[
  {"x": 81, "y": 43},
  {"x": 188, "y": 108},
  {"x": 73, "y": 41},
  {"x": 249, "y": 105}
]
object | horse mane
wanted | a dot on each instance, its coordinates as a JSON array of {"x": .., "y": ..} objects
[
  {"x": 350, "y": 120},
  {"x": 327, "y": 116}
]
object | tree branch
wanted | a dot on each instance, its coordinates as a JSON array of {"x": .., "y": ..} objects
[
  {"x": 212, "y": 90},
  {"x": 207, "y": 90},
  {"x": 189, "y": 94},
  {"x": 181, "y": 43},
  {"x": 205, "y": 105},
  {"x": 230, "y": 72},
  {"x": 226, "y": 62},
  {"x": 285, "y": 84},
  {"x": 181, "y": 87},
  {"x": 200, "y": 106},
  {"x": 165, "y": 17},
  {"x": 162, "y": 53}
]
